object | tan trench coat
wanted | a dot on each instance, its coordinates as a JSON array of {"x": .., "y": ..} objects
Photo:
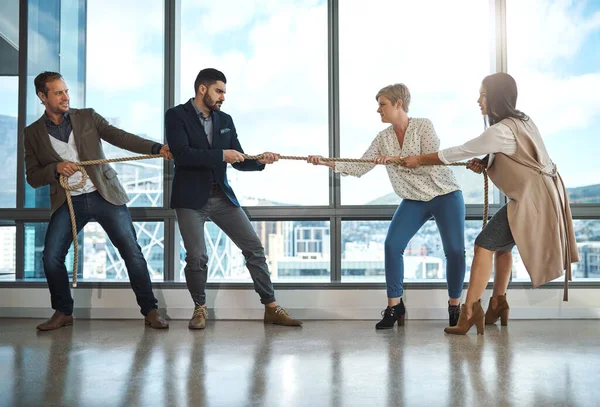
[{"x": 538, "y": 210}]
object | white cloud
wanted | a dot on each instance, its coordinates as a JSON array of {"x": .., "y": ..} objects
[
  {"x": 543, "y": 37},
  {"x": 121, "y": 42},
  {"x": 278, "y": 72},
  {"x": 10, "y": 95},
  {"x": 277, "y": 89},
  {"x": 542, "y": 33}
]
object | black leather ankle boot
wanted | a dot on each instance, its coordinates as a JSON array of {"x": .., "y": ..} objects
[
  {"x": 453, "y": 314},
  {"x": 391, "y": 315}
]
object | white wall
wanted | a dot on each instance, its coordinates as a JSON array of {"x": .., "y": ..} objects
[{"x": 304, "y": 304}]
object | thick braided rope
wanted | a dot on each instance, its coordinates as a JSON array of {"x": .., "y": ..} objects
[
  {"x": 80, "y": 166},
  {"x": 370, "y": 161},
  {"x": 65, "y": 184}
]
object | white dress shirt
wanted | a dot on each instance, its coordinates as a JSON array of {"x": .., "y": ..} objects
[{"x": 496, "y": 139}]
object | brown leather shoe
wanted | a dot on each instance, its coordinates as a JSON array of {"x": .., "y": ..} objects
[
  {"x": 57, "y": 320},
  {"x": 199, "y": 317},
  {"x": 155, "y": 321},
  {"x": 279, "y": 316}
]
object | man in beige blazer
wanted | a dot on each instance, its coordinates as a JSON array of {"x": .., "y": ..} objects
[{"x": 58, "y": 139}]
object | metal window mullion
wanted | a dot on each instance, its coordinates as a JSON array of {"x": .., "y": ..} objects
[
  {"x": 334, "y": 137},
  {"x": 335, "y": 225},
  {"x": 21, "y": 121},
  {"x": 171, "y": 8},
  {"x": 334, "y": 98},
  {"x": 20, "y": 250},
  {"x": 22, "y": 102},
  {"x": 498, "y": 57}
]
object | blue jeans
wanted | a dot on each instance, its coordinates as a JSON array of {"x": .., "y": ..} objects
[
  {"x": 116, "y": 222},
  {"x": 449, "y": 214}
]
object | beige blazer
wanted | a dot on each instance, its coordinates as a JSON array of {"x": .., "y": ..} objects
[
  {"x": 89, "y": 129},
  {"x": 538, "y": 211}
]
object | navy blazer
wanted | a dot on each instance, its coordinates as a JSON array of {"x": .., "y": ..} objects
[{"x": 195, "y": 159}]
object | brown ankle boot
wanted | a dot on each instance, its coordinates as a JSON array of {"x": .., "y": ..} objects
[
  {"x": 498, "y": 308},
  {"x": 155, "y": 320},
  {"x": 464, "y": 324}
]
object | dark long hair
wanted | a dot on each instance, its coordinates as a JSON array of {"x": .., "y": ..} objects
[{"x": 501, "y": 98}]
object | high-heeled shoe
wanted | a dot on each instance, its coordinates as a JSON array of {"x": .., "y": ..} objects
[
  {"x": 464, "y": 323},
  {"x": 391, "y": 315},
  {"x": 497, "y": 308}
]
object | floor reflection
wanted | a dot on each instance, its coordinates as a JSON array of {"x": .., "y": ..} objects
[{"x": 326, "y": 363}]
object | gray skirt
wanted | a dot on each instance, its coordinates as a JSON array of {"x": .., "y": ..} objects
[{"x": 496, "y": 236}]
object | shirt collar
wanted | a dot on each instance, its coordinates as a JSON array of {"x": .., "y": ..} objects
[
  {"x": 199, "y": 113},
  {"x": 49, "y": 122}
]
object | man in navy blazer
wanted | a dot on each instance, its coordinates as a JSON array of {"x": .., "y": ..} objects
[{"x": 203, "y": 140}]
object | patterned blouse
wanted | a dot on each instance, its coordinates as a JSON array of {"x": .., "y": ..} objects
[{"x": 420, "y": 184}]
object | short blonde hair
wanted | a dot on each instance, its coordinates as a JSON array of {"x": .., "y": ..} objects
[{"x": 396, "y": 92}]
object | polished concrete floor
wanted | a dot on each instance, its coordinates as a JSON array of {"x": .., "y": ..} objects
[{"x": 324, "y": 363}]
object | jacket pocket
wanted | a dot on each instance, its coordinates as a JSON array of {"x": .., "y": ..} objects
[
  {"x": 53, "y": 189},
  {"x": 110, "y": 173}
]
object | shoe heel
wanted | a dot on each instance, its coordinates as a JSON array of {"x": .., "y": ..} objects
[
  {"x": 504, "y": 318},
  {"x": 480, "y": 326},
  {"x": 401, "y": 320}
]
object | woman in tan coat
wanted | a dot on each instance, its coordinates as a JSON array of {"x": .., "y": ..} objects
[{"x": 537, "y": 217}]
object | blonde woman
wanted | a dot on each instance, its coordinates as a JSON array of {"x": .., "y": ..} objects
[{"x": 427, "y": 192}]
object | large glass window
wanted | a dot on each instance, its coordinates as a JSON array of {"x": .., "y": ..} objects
[
  {"x": 296, "y": 251},
  {"x": 274, "y": 55},
  {"x": 55, "y": 42},
  {"x": 424, "y": 259},
  {"x": 8, "y": 140},
  {"x": 117, "y": 71},
  {"x": 98, "y": 257},
  {"x": 9, "y": 84},
  {"x": 587, "y": 234},
  {"x": 276, "y": 59},
  {"x": 124, "y": 83},
  {"x": 7, "y": 253},
  {"x": 441, "y": 56},
  {"x": 553, "y": 55}
]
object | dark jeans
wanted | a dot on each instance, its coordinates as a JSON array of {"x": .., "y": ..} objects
[
  {"x": 233, "y": 221},
  {"x": 117, "y": 224}
]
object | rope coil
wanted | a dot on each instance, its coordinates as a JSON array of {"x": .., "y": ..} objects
[{"x": 64, "y": 182}]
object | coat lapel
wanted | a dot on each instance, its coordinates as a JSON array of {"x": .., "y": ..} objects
[{"x": 77, "y": 131}]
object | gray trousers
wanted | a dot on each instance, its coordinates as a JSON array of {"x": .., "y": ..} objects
[{"x": 233, "y": 221}]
